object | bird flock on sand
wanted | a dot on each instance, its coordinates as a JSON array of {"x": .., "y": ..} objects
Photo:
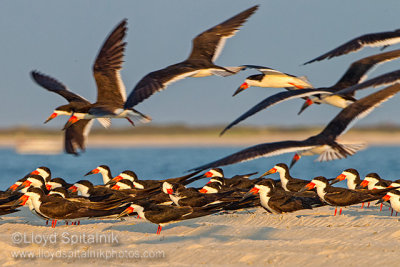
[
  {"x": 169, "y": 200},
  {"x": 123, "y": 195}
]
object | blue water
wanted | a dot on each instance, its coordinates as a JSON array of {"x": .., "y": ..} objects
[{"x": 161, "y": 163}]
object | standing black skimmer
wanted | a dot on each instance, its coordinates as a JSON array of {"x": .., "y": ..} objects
[
  {"x": 163, "y": 215},
  {"x": 76, "y": 136},
  {"x": 324, "y": 143},
  {"x": 238, "y": 181},
  {"x": 57, "y": 183},
  {"x": 335, "y": 94},
  {"x": 372, "y": 39},
  {"x": 372, "y": 179},
  {"x": 105, "y": 172},
  {"x": 273, "y": 78},
  {"x": 200, "y": 63},
  {"x": 338, "y": 196},
  {"x": 111, "y": 94},
  {"x": 288, "y": 183},
  {"x": 276, "y": 202},
  {"x": 352, "y": 176},
  {"x": 57, "y": 208},
  {"x": 147, "y": 184},
  {"x": 183, "y": 196},
  {"x": 394, "y": 197}
]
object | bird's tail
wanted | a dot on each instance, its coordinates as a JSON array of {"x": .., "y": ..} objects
[{"x": 340, "y": 151}]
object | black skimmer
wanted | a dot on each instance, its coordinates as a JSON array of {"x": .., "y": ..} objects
[
  {"x": 75, "y": 137},
  {"x": 352, "y": 176},
  {"x": 337, "y": 196},
  {"x": 273, "y": 78},
  {"x": 324, "y": 143},
  {"x": 372, "y": 179},
  {"x": 200, "y": 63},
  {"x": 105, "y": 172},
  {"x": 288, "y": 183},
  {"x": 163, "y": 215},
  {"x": 335, "y": 94},
  {"x": 111, "y": 94},
  {"x": 394, "y": 197},
  {"x": 275, "y": 201},
  {"x": 182, "y": 196},
  {"x": 57, "y": 183},
  {"x": 56, "y": 208},
  {"x": 146, "y": 184},
  {"x": 237, "y": 181},
  {"x": 372, "y": 39},
  {"x": 43, "y": 171}
]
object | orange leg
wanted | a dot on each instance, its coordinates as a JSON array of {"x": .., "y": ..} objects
[
  {"x": 335, "y": 211},
  {"x": 381, "y": 207},
  {"x": 391, "y": 214},
  {"x": 159, "y": 229},
  {"x": 340, "y": 212},
  {"x": 368, "y": 204},
  {"x": 362, "y": 205}
]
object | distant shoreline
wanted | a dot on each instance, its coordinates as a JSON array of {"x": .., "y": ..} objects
[{"x": 184, "y": 140}]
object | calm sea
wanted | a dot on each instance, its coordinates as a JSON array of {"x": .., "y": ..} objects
[{"x": 161, "y": 163}]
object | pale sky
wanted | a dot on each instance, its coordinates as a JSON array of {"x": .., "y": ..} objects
[{"x": 62, "y": 39}]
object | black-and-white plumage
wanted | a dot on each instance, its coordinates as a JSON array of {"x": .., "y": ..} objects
[
  {"x": 340, "y": 94},
  {"x": 111, "y": 93},
  {"x": 205, "y": 50},
  {"x": 373, "y": 39},
  {"x": 76, "y": 136},
  {"x": 324, "y": 143}
]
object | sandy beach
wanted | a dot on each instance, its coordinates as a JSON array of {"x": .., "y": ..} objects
[{"x": 359, "y": 237}]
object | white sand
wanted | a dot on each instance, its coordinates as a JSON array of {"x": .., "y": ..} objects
[{"x": 360, "y": 237}]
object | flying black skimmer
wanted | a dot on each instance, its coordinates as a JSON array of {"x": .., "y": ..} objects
[
  {"x": 324, "y": 143},
  {"x": 111, "y": 94},
  {"x": 76, "y": 136},
  {"x": 372, "y": 39},
  {"x": 276, "y": 202},
  {"x": 338, "y": 196},
  {"x": 163, "y": 215},
  {"x": 200, "y": 63},
  {"x": 273, "y": 78},
  {"x": 105, "y": 172},
  {"x": 339, "y": 94}
]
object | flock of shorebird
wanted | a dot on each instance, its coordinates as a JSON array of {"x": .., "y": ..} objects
[
  {"x": 170, "y": 200},
  {"x": 55, "y": 199},
  {"x": 113, "y": 103}
]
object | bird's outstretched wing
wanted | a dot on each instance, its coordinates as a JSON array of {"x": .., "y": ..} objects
[
  {"x": 57, "y": 87},
  {"x": 209, "y": 44},
  {"x": 106, "y": 68},
  {"x": 372, "y": 39}
]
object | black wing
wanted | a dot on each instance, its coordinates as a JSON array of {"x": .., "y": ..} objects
[
  {"x": 257, "y": 151},
  {"x": 372, "y": 39},
  {"x": 76, "y": 136},
  {"x": 273, "y": 100},
  {"x": 382, "y": 80},
  {"x": 209, "y": 44},
  {"x": 359, "y": 109},
  {"x": 57, "y": 87},
  {"x": 357, "y": 70},
  {"x": 157, "y": 81},
  {"x": 106, "y": 68}
]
